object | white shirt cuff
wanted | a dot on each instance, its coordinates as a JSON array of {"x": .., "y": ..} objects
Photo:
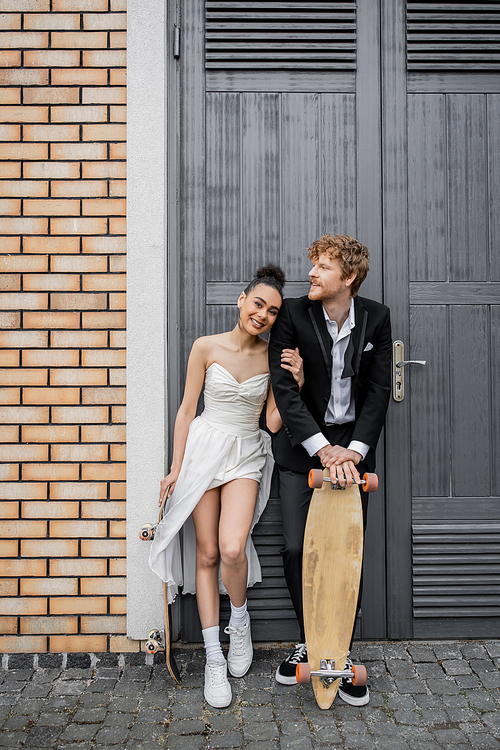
[
  {"x": 315, "y": 443},
  {"x": 362, "y": 448}
]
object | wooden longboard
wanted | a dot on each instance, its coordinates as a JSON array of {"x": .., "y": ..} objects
[
  {"x": 161, "y": 640},
  {"x": 332, "y": 558}
]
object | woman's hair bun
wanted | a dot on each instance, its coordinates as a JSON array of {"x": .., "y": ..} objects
[{"x": 271, "y": 272}]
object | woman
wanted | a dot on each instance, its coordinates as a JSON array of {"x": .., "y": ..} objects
[{"x": 219, "y": 479}]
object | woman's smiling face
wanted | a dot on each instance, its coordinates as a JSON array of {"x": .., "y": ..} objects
[{"x": 259, "y": 309}]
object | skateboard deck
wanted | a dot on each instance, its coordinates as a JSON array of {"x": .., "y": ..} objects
[
  {"x": 161, "y": 640},
  {"x": 332, "y": 558}
]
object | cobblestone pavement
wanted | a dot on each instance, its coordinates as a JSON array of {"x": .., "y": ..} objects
[{"x": 423, "y": 696}]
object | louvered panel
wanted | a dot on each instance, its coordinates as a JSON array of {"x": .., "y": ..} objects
[
  {"x": 456, "y": 570},
  {"x": 279, "y": 36},
  {"x": 448, "y": 36}
]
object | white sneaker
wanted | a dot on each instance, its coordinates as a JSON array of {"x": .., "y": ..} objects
[
  {"x": 217, "y": 688},
  {"x": 240, "y": 653}
]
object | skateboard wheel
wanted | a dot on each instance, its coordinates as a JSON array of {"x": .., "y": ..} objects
[
  {"x": 371, "y": 482},
  {"x": 146, "y": 532},
  {"x": 151, "y": 647},
  {"x": 360, "y": 675},
  {"x": 315, "y": 479},
  {"x": 154, "y": 635},
  {"x": 303, "y": 670}
]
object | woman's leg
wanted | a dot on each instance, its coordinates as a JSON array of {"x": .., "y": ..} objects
[
  {"x": 206, "y": 523},
  {"x": 238, "y": 500}
]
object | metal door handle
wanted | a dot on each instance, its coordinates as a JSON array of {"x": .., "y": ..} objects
[{"x": 398, "y": 373}]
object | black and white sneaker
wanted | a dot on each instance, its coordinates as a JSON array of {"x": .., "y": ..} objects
[
  {"x": 285, "y": 674},
  {"x": 355, "y": 695}
]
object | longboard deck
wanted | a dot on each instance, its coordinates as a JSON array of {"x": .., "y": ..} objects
[{"x": 332, "y": 559}]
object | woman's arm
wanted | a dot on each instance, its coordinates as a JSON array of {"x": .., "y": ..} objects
[
  {"x": 292, "y": 361},
  {"x": 187, "y": 411}
]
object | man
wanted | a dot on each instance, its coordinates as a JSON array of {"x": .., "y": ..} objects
[{"x": 336, "y": 418}]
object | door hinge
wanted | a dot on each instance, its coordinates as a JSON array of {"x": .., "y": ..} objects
[{"x": 177, "y": 42}]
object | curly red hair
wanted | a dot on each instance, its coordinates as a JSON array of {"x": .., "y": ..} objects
[{"x": 353, "y": 257}]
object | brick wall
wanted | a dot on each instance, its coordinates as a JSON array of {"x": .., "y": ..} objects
[{"x": 62, "y": 321}]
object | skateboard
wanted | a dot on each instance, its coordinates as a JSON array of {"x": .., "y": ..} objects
[
  {"x": 161, "y": 640},
  {"x": 332, "y": 557}
]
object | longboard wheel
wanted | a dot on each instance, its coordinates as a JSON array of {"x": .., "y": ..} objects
[
  {"x": 315, "y": 479},
  {"x": 303, "y": 670},
  {"x": 371, "y": 482},
  {"x": 360, "y": 675},
  {"x": 151, "y": 647},
  {"x": 154, "y": 635},
  {"x": 146, "y": 532}
]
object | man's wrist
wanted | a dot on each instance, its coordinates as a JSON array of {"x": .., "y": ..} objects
[{"x": 315, "y": 443}]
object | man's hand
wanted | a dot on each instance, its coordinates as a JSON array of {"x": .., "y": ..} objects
[{"x": 342, "y": 463}]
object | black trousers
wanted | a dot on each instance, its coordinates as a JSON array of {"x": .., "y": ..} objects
[{"x": 295, "y": 498}]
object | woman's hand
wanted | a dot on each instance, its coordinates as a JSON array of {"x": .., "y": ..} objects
[
  {"x": 167, "y": 485},
  {"x": 293, "y": 362}
]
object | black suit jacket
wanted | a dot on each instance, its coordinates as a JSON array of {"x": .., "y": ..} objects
[{"x": 367, "y": 361}]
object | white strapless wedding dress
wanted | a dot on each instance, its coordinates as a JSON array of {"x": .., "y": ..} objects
[{"x": 224, "y": 443}]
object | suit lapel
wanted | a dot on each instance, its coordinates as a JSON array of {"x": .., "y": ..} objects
[
  {"x": 318, "y": 320},
  {"x": 352, "y": 358}
]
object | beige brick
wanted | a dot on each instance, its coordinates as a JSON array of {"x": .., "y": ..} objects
[
  {"x": 78, "y": 529},
  {"x": 103, "y": 433},
  {"x": 49, "y": 434},
  {"x": 17, "y": 568},
  {"x": 52, "y": 58},
  {"x": 51, "y": 207},
  {"x": 79, "y": 6},
  {"x": 23, "y": 301},
  {"x": 119, "y": 644},
  {"x": 10, "y": 96},
  {"x": 104, "y": 245},
  {"x": 117, "y": 5},
  {"x": 9, "y": 548},
  {"x": 49, "y": 587},
  {"x": 103, "y": 548},
  {"x": 25, "y": 5},
  {"x": 89, "y": 567},
  {"x": 22, "y": 263},
  {"x": 79, "y": 40},
  {"x": 49, "y": 625},
  {"x": 103, "y": 207},
  {"x": 78, "y": 376},
  {"x": 9, "y": 473},
  {"x": 118, "y": 77},
  {"x": 79, "y": 453},
  {"x": 118, "y": 40},
  {"x": 13, "y": 529},
  {"x": 78, "y": 605},
  {"x": 29, "y": 606},
  {"x": 52, "y": 21},
  {"x": 51, "y": 95},
  {"x": 8, "y": 626},
  {"x": 103, "y": 132},
  {"x": 25, "y": 151},
  {"x": 77, "y": 643},
  {"x": 24, "y": 188},
  {"x": 79, "y": 264},
  {"x": 10, "y": 357},
  {"x": 23, "y": 339},
  {"x": 28, "y": 644},
  {"x": 103, "y": 358},
  {"x": 25, "y": 414},
  {"x": 78, "y": 490},
  {"x": 51, "y": 395},
  {"x": 118, "y": 414},
  {"x": 51, "y": 358},
  {"x": 10, "y": 132},
  {"x": 52, "y": 170},
  {"x": 118, "y": 452},
  {"x": 118, "y": 113},
  {"x": 101, "y": 319},
  {"x": 104, "y": 21},
  {"x": 49, "y": 547},
  {"x": 52, "y": 320},
  {"x": 104, "y": 169},
  {"x": 118, "y": 567},
  {"x": 117, "y": 301},
  {"x": 13, "y": 21},
  {"x": 59, "y": 301},
  {"x": 81, "y": 151},
  {"x": 80, "y": 77},
  {"x": 100, "y": 472},
  {"x": 118, "y": 188},
  {"x": 78, "y": 226},
  {"x": 23, "y": 225},
  {"x": 51, "y": 281},
  {"x": 79, "y": 338},
  {"x": 51, "y": 472},
  {"x": 24, "y": 77},
  {"x": 51, "y": 245},
  {"x": 23, "y": 376},
  {"x": 9, "y": 320},
  {"x": 104, "y": 95},
  {"x": 24, "y": 40},
  {"x": 51, "y": 133},
  {"x": 10, "y": 207},
  {"x": 104, "y": 59},
  {"x": 103, "y": 395},
  {"x": 23, "y": 490},
  {"x": 10, "y": 282},
  {"x": 103, "y": 282},
  {"x": 10, "y": 170},
  {"x": 91, "y": 624},
  {"x": 34, "y": 509},
  {"x": 9, "y": 58},
  {"x": 108, "y": 509},
  {"x": 118, "y": 529},
  {"x": 117, "y": 150},
  {"x": 20, "y": 452},
  {"x": 11, "y": 244},
  {"x": 118, "y": 605},
  {"x": 117, "y": 225},
  {"x": 9, "y": 510},
  {"x": 117, "y": 339},
  {"x": 8, "y": 587},
  {"x": 80, "y": 188}
]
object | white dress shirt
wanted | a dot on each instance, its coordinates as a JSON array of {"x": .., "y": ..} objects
[{"x": 340, "y": 409}]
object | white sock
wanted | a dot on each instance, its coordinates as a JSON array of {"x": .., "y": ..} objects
[
  {"x": 212, "y": 644},
  {"x": 238, "y": 616}
]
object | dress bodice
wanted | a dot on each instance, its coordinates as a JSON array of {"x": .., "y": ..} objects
[{"x": 233, "y": 407}]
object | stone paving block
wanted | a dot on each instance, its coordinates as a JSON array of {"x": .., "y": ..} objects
[
  {"x": 43, "y": 736},
  {"x": 90, "y": 715},
  {"x": 29, "y": 706},
  {"x": 461, "y": 715},
  {"x": 223, "y": 722},
  {"x": 467, "y": 681},
  {"x": 327, "y": 735},
  {"x": 485, "y": 741},
  {"x": 493, "y": 648},
  {"x": 396, "y": 651},
  {"x": 143, "y": 745},
  {"x": 226, "y": 740},
  {"x": 115, "y": 719},
  {"x": 152, "y": 700},
  {"x": 263, "y": 731},
  {"x": 490, "y": 679},
  {"x": 53, "y": 719},
  {"x": 492, "y": 720},
  {"x": 298, "y": 728},
  {"x": 178, "y": 742},
  {"x": 481, "y": 699},
  {"x": 401, "y": 668},
  {"x": 432, "y": 716},
  {"x": 295, "y": 743},
  {"x": 456, "y": 666},
  {"x": 13, "y": 739},
  {"x": 363, "y": 652},
  {"x": 411, "y": 686},
  {"x": 274, "y": 745},
  {"x": 442, "y": 687},
  {"x": 257, "y": 697},
  {"x": 392, "y": 743},
  {"x": 77, "y": 732},
  {"x": 75, "y": 746},
  {"x": 14, "y": 723},
  {"x": 455, "y": 701},
  {"x": 427, "y": 670},
  {"x": 450, "y": 736},
  {"x": 401, "y": 701},
  {"x": 445, "y": 650},
  {"x": 257, "y": 713},
  {"x": 419, "y": 745},
  {"x": 381, "y": 684},
  {"x": 186, "y": 726},
  {"x": 404, "y": 716},
  {"x": 60, "y": 703},
  {"x": 422, "y": 653},
  {"x": 112, "y": 736},
  {"x": 68, "y": 687},
  {"x": 362, "y": 741}
]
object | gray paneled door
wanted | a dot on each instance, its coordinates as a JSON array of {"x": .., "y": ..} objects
[{"x": 297, "y": 119}]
